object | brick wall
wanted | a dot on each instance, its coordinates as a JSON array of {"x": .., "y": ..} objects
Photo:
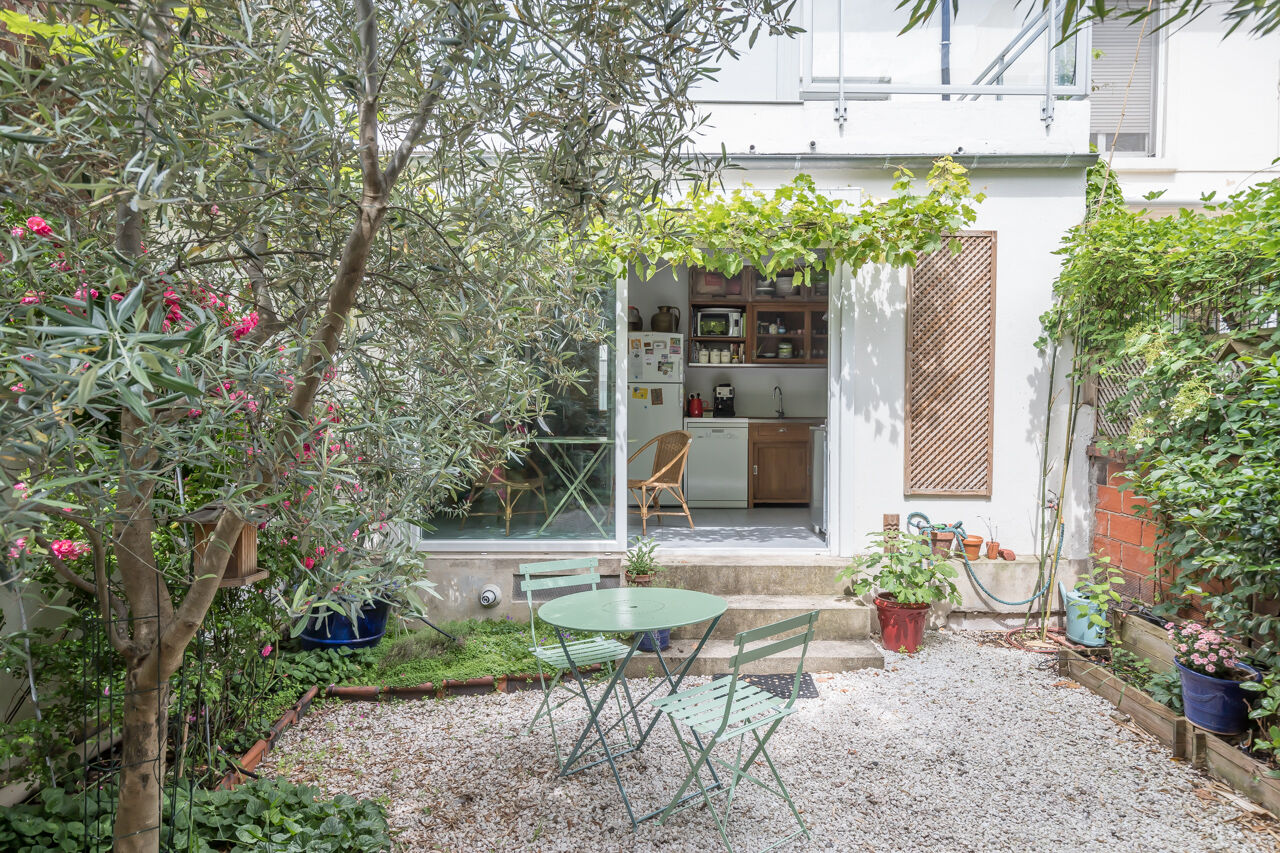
[{"x": 1120, "y": 532}]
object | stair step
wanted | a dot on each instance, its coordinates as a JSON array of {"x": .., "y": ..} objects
[
  {"x": 823, "y": 656},
  {"x": 841, "y": 618},
  {"x": 800, "y": 575}
]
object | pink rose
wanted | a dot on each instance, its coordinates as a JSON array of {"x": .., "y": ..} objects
[
  {"x": 1208, "y": 667},
  {"x": 39, "y": 226},
  {"x": 266, "y": 650}
]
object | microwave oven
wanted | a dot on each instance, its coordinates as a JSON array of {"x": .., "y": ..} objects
[{"x": 718, "y": 322}]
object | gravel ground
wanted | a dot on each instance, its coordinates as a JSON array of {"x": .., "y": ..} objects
[{"x": 962, "y": 747}]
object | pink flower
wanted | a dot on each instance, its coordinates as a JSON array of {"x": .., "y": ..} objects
[
  {"x": 18, "y": 389},
  {"x": 246, "y": 325},
  {"x": 213, "y": 211},
  {"x": 1208, "y": 667},
  {"x": 116, "y": 297},
  {"x": 39, "y": 226},
  {"x": 18, "y": 548},
  {"x": 19, "y": 487},
  {"x": 18, "y": 231},
  {"x": 30, "y": 298},
  {"x": 309, "y": 562},
  {"x": 68, "y": 549},
  {"x": 266, "y": 650}
]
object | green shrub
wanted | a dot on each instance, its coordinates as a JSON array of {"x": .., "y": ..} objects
[{"x": 262, "y": 816}]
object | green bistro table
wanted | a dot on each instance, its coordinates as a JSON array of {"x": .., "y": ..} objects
[
  {"x": 637, "y": 609},
  {"x": 576, "y": 474}
]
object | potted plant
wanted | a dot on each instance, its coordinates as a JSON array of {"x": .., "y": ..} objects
[
  {"x": 1212, "y": 674},
  {"x": 909, "y": 578},
  {"x": 346, "y": 596},
  {"x": 1087, "y": 603},
  {"x": 641, "y": 568},
  {"x": 993, "y": 538}
]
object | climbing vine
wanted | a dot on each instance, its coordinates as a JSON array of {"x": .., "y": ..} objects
[
  {"x": 1181, "y": 313},
  {"x": 794, "y": 227}
]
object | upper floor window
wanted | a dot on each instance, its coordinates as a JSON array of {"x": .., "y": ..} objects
[{"x": 1123, "y": 83}]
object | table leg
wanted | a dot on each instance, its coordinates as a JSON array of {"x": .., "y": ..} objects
[
  {"x": 581, "y": 747},
  {"x": 575, "y": 482}
]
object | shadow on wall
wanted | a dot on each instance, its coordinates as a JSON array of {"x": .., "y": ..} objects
[{"x": 876, "y": 373}]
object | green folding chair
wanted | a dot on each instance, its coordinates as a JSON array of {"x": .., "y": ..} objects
[
  {"x": 730, "y": 708},
  {"x": 550, "y": 576}
]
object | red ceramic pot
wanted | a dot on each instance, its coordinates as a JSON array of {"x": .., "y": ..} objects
[{"x": 901, "y": 625}]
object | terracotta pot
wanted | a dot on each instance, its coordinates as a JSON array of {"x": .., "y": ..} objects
[
  {"x": 993, "y": 550},
  {"x": 639, "y": 580},
  {"x": 942, "y": 543},
  {"x": 972, "y": 547},
  {"x": 901, "y": 625}
]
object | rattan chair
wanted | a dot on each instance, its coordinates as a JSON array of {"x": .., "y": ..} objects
[
  {"x": 669, "y": 459},
  {"x": 509, "y": 485}
]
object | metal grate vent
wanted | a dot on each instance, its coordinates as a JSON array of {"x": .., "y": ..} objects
[
  {"x": 517, "y": 594},
  {"x": 951, "y": 306}
]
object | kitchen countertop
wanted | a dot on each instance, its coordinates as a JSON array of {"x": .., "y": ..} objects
[{"x": 704, "y": 421}]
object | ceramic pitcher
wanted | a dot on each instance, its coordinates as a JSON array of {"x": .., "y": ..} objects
[{"x": 666, "y": 320}]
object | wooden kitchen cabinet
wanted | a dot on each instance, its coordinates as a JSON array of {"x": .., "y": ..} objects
[{"x": 779, "y": 456}]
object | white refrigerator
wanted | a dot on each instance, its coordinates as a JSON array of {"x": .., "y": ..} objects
[{"x": 655, "y": 394}]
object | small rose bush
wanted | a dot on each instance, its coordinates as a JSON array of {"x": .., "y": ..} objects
[{"x": 1201, "y": 649}]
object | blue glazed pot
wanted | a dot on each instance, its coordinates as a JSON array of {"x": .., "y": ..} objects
[
  {"x": 1215, "y": 704},
  {"x": 334, "y": 630},
  {"x": 652, "y": 641},
  {"x": 1080, "y": 628}
]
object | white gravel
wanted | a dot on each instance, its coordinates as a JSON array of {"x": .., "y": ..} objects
[{"x": 962, "y": 747}]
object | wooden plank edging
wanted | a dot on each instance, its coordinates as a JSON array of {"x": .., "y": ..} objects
[{"x": 1205, "y": 750}]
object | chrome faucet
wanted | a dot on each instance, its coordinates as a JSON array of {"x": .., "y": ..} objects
[{"x": 777, "y": 392}]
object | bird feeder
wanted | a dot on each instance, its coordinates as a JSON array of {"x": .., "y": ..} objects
[{"x": 242, "y": 564}]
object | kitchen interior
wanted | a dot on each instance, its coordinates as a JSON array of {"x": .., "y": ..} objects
[{"x": 741, "y": 364}]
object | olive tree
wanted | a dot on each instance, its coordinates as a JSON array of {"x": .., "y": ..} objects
[{"x": 312, "y": 253}]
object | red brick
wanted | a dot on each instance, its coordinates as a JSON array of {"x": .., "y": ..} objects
[
  {"x": 1107, "y": 548},
  {"x": 1126, "y": 528},
  {"x": 1109, "y": 498},
  {"x": 1114, "y": 468},
  {"x": 1135, "y": 558},
  {"x": 1100, "y": 523},
  {"x": 1149, "y": 533}
]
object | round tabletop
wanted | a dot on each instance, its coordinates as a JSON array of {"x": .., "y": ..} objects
[{"x": 631, "y": 609}]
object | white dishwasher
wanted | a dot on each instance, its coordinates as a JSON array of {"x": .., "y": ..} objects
[{"x": 716, "y": 474}]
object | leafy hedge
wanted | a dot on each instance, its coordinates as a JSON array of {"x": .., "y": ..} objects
[{"x": 262, "y": 816}]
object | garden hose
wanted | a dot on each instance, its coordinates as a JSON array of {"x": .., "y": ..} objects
[{"x": 920, "y": 521}]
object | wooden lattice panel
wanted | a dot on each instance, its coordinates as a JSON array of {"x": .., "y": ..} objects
[{"x": 950, "y": 394}]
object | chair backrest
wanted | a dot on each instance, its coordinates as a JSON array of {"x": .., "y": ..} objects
[
  {"x": 670, "y": 455},
  {"x": 558, "y": 576},
  {"x": 799, "y": 631}
]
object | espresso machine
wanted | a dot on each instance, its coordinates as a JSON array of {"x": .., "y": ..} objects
[{"x": 722, "y": 401}]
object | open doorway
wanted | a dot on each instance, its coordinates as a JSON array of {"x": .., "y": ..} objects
[{"x": 740, "y": 364}]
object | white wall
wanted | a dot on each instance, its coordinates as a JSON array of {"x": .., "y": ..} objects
[
  {"x": 1217, "y": 116},
  {"x": 1029, "y": 212}
]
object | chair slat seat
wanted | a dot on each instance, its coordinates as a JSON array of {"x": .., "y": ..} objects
[
  {"x": 702, "y": 708},
  {"x": 586, "y": 652}
]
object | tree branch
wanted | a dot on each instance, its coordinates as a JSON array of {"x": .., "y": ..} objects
[{"x": 209, "y": 570}]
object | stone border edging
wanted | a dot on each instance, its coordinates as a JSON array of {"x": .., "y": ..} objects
[
  {"x": 246, "y": 764},
  {"x": 1204, "y": 749}
]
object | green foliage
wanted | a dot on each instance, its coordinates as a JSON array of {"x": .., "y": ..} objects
[
  {"x": 489, "y": 647},
  {"x": 1100, "y": 590},
  {"x": 1163, "y": 687},
  {"x": 266, "y": 814},
  {"x": 639, "y": 557},
  {"x": 794, "y": 228},
  {"x": 1264, "y": 706},
  {"x": 903, "y": 565}
]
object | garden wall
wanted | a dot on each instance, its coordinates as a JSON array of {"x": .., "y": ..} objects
[{"x": 1119, "y": 530}]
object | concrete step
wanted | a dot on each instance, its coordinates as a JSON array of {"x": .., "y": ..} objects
[
  {"x": 823, "y": 656},
  {"x": 751, "y": 575},
  {"x": 840, "y": 619}
]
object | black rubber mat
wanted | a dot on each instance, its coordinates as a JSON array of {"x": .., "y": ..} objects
[{"x": 780, "y": 685}]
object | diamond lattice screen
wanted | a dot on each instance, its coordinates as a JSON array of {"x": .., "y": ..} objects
[{"x": 951, "y": 302}]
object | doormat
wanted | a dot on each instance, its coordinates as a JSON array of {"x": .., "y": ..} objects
[{"x": 780, "y": 685}]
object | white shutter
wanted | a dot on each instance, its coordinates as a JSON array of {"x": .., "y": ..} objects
[{"x": 1115, "y": 44}]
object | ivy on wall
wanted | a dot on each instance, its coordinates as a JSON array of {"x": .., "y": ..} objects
[{"x": 794, "y": 227}]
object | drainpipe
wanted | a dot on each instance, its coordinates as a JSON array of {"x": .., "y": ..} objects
[
  {"x": 946, "y": 46},
  {"x": 842, "y": 110}
]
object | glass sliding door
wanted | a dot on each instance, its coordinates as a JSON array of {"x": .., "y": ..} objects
[{"x": 556, "y": 478}]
